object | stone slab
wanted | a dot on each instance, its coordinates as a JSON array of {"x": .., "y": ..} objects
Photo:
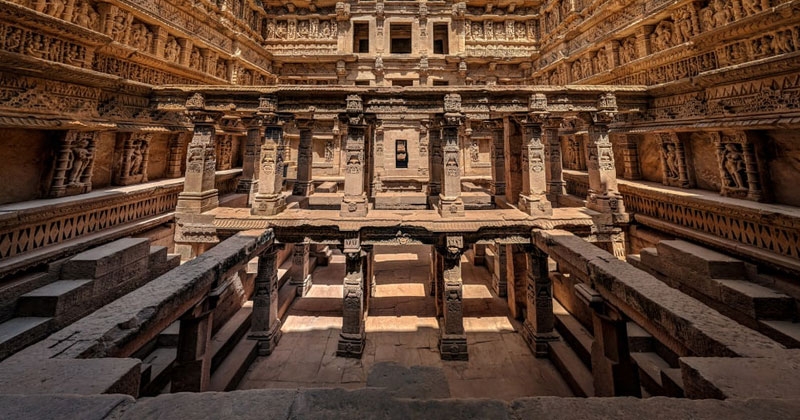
[
  {"x": 240, "y": 405},
  {"x": 19, "y": 332},
  {"x": 158, "y": 254},
  {"x": 702, "y": 260},
  {"x": 755, "y": 300},
  {"x": 63, "y": 407},
  {"x": 103, "y": 259},
  {"x": 70, "y": 376},
  {"x": 409, "y": 382},
  {"x": 56, "y": 299},
  {"x": 776, "y": 376}
]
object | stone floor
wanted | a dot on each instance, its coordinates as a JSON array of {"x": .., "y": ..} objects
[{"x": 402, "y": 328}]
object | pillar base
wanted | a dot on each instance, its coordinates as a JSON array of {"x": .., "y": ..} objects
[
  {"x": 610, "y": 206},
  {"x": 267, "y": 340},
  {"x": 354, "y": 206},
  {"x": 451, "y": 207},
  {"x": 303, "y": 188},
  {"x": 538, "y": 343},
  {"x": 350, "y": 346},
  {"x": 535, "y": 205},
  {"x": 303, "y": 286},
  {"x": 453, "y": 347},
  {"x": 197, "y": 202},
  {"x": 267, "y": 205}
]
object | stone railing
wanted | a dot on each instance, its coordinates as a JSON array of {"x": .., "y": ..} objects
[
  {"x": 33, "y": 226},
  {"x": 762, "y": 232}
]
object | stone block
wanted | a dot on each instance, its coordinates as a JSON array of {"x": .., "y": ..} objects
[
  {"x": 241, "y": 405},
  {"x": 132, "y": 274},
  {"x": 158, "y": 254},
  {"x": 16, "y": 333},
  {"x": 56, "y": 299},
  {"x": 754, "y": 300},
  {"x": 65, "y": 407},
  {"x": 102, "y": 260},
  {"x": 701, "y": 260},
  {"x": 774, "y": 376},
  {"x": 70, "y": 376}
]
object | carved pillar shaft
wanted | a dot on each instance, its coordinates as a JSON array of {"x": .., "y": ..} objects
[
  {"x": 630, "y": 156},
  {"x": 602, "y": 174},
  {"x": 437, "y": 163},
  {"x": 354, "y": 202},
  {"x": 304, "y": 186},
  {"x": 174, "y": 164},
  {"x": 269, "y": 199},
  {"x": 351, "y": 339},
  {"x": 533, "y": 199},
  {"x": 192, "y": 369},
  {"x": 453, "y": 339},
  {"x": 199, "y": 194},
  {"x": 553, "y": 170},
  {"x": 751, "y": 167},
  {"x": 539, "y": 321},
  {"x": 498, "y": 163},
  {"x": 301, "y": 267},
  {"x": 74, "y": 165},
  {"x": 62, "y": 166},
  {"x": 248, "y": 183},
  {"x": 500, "y": 272},
  {"x": 266, "y": 325},
  {"x": 450, "y": 202}
]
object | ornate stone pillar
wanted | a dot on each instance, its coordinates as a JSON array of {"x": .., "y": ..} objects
[
  {"x": 437, "y": 163},
  {"x": 135, "y": 156},
  {"x": 498, "y": 157},
  {"x": 603, "y": 194},
  {"x": 532, "y": 198},
  {"x": 74, "y": 164},
  {"x": 266, "y": 325},
  {"x": 301, "y": 267},
  {"x": 248, "y": 183},
  {"x": 192, "y": 369},
  {"x": 351, "y": 339},
  {"x": 224, "y": 152},
  {"x": 304, "y": 186},
  {"x": 453, "y": 339},
  {"x": 269, "y": 199},
  {"x": 450, "y": 202},
  {"x": 539, "y": 325},
  {"x": 673, "y": 161},
  {"x": 175, "y": 161},
  {"x": 354, "y": 202},
  {"x": 199, "y": 194},
  {"x": 553, "y": 169}
]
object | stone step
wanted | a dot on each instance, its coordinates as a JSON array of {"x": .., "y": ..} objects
[
  {"x": 169, "y": 337},
  {"x": 784, "y": 332},
  {"x": 578, "y": 376},
  {"x": 56, "y": 299},
  {"x": 228, "y": 336},
  {"x": 756, "y": 301},
  {"x": 18, "y": 333},
  {"x": 702, "y": 260},
  {"x": 231, "y": 371},
  {"x": 104, "y": 259},
  {"x": 159, "y": 362},
  {"x": 650, "y": 368},
  {"x": 573, "y": 333},
  {"x": 158, "y": 255},
  {"x": 672, "y": 382},
  {"x": 639, "y": 340}
]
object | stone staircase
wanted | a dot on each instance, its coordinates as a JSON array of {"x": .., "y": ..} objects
[
  {"x": 45, "y": 302},
  {"x": 725, "y": 284}
]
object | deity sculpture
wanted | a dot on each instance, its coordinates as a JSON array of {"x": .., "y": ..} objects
[
  {"x": 79, "y": 161},
  {"x": 733, "y": 167}
]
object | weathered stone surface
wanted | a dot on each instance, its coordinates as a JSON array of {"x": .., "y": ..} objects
[
  {"x": 101, "y": 260},
  {"x": 70, "y": 376},
  {"x": 245, "y": 405},
  {"x": 66, "y": 407},
  {"x": 417, "y": 382},
  {"x": 776, "y": 376}
]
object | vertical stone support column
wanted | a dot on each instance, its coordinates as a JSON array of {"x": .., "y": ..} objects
[
  {"x": 175, "y": 161},
  {"x": 192, "y": 369},
  {"x": 453, "y": 339},
  {"x": 450, "y": 202},
  {"x": 500, "y": 273},
  {"x": 248, "y": 183},
  {"x": 603, "y": 194},
  {"x": 516, "y": 280},
  {"x": 266, "y": 325},
  {"x": 354, "y": 202},
  {"x": 630, "y": 156},
  {"x": 479, "y": 254},
  {"x": 533, "y": 199},
  {"x": 614, "y": 372},
  {"x": 498, "y": 157},
  {"x": 539, "y": 325},
  {"x": 269, "y": 199},
  {"x": 304, "y": 186},
  {"x": 351, "y": 339},
  {"x": 437, "y": 162},
  {"x": 199, "y": 194},
  {"x": 301, "y": 268},
  {"x": 554, "y": 170}
]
